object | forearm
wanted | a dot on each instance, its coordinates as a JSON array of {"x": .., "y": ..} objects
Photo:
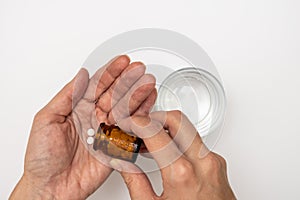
[{"x": 27, "y": 190}]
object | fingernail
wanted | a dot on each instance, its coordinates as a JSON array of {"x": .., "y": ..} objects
[{"x": 115, "y": 164}]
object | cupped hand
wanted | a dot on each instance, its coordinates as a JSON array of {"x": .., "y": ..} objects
[
  {"x": 188, "y": 169},
  {"x": 57, "y": 162}
]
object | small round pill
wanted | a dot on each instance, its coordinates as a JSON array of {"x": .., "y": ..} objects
[
  {"x": 90, "y": 140},
  {"x": 91, "y": 132}
]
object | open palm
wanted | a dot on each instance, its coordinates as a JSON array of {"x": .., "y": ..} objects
[{"x": 58, "y": 163}]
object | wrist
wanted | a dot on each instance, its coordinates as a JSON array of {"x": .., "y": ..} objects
[{"x": 28, "y": 189}]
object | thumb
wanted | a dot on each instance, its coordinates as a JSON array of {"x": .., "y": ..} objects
[
  {"x": 135, "y": 179},
  {"x": 68, "y": 97},
  {"x": 139, "y": 186}
]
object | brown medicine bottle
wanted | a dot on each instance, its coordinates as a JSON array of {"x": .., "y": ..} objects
[{"x": 116, "y": 143}]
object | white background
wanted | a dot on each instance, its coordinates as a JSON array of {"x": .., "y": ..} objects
[{"x": 255, "y": 44}]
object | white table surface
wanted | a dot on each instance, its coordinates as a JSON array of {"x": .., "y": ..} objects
[{"x": 255, "y": 45}]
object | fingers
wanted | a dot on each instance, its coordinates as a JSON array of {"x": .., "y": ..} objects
[
  {"x": 181, "y": 181},
  {"x": 121, "y": 85},
  {"x": 180, "y": 138},
  {"x": 62, "y": 104},
  {"x": 147, "y": 105},
  {"x": 182, "y": 131},
  {"x": 187, "y": 176},
  {"x": 132, "y": 100},
  {"x": 156, "y": 139},
  {"x": 105, "y": 76},
  {"x": 136, "y": 181},
  {"x": 139, "y": 186},
  {"x": 177, "y": 169}
]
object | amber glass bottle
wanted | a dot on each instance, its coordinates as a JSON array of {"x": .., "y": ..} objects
[{"x": 114, "y": 142}]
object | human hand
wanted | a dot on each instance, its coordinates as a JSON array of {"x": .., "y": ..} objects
[
  {"x": 188, "y": 169},
  {"x": 57, "y": 164}
]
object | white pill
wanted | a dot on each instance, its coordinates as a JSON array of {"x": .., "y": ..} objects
[
  {"x": 91, "y": 132},
  {"x": 90, "y": 140}
]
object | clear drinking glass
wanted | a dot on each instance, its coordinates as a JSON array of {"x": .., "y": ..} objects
[{"x": 198, "y": 94}]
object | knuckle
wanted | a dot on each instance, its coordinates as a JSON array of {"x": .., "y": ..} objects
[
  {"x": 175, "y": 116},
  {"x": 141, "y": 121},
  {"x": 214, "y": 168},
  {"x": 145, "y": 127},
  {"x": 212, "y": 161},
  {"x": 221, "y": 160},
  {"x": 183, "y": 171},
  {"x": 128, "y": 181},
  {"x": 42, "y": 118},
  {"x": 38, "y": 115}
]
